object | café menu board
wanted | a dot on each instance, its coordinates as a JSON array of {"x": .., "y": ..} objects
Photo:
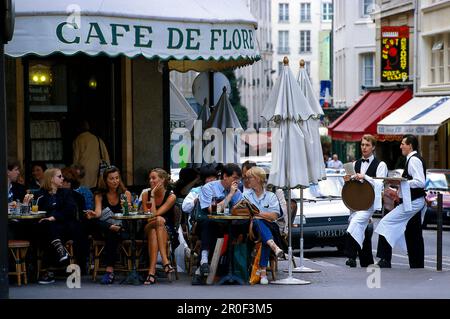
[
  {"x": 394, "y": 54},
  {"x": 39, "y": 94}
]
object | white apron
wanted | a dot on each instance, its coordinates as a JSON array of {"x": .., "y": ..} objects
[
  {"x": 358, "y": 223},
  {"x": 393, "y": 225},
  {"x": 359, "y": 220}
]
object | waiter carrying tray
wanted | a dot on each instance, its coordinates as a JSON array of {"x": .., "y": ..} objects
[
  {"x": 358, "y": 239},
  {"x": 404, "y": 223}
]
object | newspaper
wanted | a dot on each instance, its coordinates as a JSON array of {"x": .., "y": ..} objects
[{"x": 349, "y": 169}]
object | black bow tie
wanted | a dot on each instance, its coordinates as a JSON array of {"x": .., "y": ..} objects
[{"x": 365, "y": 160}]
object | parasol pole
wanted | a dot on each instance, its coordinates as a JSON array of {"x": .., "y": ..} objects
[
  {"x": 289, "y": 280},
  {"x": 301, "y": 268}
]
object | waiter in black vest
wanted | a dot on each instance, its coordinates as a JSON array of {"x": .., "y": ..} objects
[
  {"x": 406, "y": 218},
  {"x": 358, "y": 238}
]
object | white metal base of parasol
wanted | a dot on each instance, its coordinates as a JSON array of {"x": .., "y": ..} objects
[
  {"x": 303, "y": 269},
  {"x": 290, "y": 281}
]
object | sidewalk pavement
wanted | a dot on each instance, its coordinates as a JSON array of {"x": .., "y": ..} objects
[{"x": 335, "y": 281}]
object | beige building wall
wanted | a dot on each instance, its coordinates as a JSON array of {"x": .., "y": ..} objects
[
  {"x": 434, "y": 72},
  {"x": 255, "y": 81},
  {"x": 353, "y": 39}
]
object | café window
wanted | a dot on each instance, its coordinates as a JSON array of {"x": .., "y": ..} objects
[{"x": 47, "y": 102}]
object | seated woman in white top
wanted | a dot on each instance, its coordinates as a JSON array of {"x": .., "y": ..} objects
[{"x": 264, "y": 223}]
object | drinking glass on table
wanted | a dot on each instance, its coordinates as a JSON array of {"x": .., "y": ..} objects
[{"x": 34, "y": 206}]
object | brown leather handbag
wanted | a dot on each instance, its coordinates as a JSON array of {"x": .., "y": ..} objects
[{"x": 244, "y": 208}]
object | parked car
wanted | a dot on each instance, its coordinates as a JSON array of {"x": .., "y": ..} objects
[
  {"x": 438, "y": 181},
  {"x": 325, "y": 216}
]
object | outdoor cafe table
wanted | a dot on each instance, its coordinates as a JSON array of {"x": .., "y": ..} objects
[
  {"x": 230, "y": 277},
  {"x": 133, "y": 276},
  {"x": 29, "y": 216}
]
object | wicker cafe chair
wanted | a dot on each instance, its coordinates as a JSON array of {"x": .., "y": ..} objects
[
  {"x": 18, "y": 250},
  {"x": 170, "y": 249}
]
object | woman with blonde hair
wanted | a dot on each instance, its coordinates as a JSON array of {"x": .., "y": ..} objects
[
  {"x": 160, "y": 202},
  {"x": 109, "y": 199},
  {"x": 264, "y": 223},
  {"x": 60, "y": 221}
]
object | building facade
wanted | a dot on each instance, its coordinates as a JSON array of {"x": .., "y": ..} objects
[
  {"x": 434, "y": 72},
  {"x": 255, "y": 82},
  {"x": 301, "y": 30},
  {"x": 354, "y": 50},
  {"x": 428, "y": 65}
]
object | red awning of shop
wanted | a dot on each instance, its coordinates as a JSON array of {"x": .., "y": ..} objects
[{"x": 362, "y": 118}]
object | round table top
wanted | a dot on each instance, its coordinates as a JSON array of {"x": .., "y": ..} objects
[
  {"x": 132, "y": 216},
  {"x": 227, "y": 217},
  {"x": 37, "y": 215}
]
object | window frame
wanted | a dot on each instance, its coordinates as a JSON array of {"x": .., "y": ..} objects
[
  {"x": 283, "y": 12},
  {"x": 307, "y": 13},
  {"x": 306, "y": 42}
]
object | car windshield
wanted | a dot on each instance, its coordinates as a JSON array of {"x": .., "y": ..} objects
[
  {"x": 435, "y": 180},
  {"x": 331, "y": 187}
]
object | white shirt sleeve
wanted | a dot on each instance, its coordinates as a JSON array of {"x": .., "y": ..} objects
[
  {"x": 189, "y": 202},
  {"x": 382, "y": 171},
  {"x": 415, "y": 169}
]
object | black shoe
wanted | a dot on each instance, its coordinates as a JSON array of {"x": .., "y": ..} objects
[
  {"x": 351, "y": 262},
  {"x": 46, "y": 278},
  {"x": 383, "y": 263},
  {"x": 204, "y": 269},
  {"x": 61, "y": 251},
  {"x": 197, "y": 280}
]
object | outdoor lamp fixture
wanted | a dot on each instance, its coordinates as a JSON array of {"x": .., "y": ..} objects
[
  {"x": 93, "y": 83},
  {"x": 40, "y": 75}
]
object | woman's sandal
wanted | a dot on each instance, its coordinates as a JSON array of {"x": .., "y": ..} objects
[
  {"x": 150, "y": 280},
  {"x": 168, "y": 268}
]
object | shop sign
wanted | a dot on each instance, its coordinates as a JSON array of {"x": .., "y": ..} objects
[{"x": 394, "y": 54}]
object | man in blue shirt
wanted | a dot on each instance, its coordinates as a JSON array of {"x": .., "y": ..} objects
[{"x": 226, "y": 192}]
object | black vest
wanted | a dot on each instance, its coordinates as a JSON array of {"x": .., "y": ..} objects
[
  {"x": 415, "y": 192},
  {"x": 371, "y": 170}
]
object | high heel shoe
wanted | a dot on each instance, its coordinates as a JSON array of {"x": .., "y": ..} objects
[
  {"x": 168, "y": 268},
  {"x": 150, "y": 280}
]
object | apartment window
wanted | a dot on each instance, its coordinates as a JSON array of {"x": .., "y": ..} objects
[
  {"x": 283, "y": 12},
  {"x": 437, "y": 59},
  {"x": 305, "y": 12},
  {"x": 305, "y": 41},
  {"x": 283, "y": 42},
  {"x": 280, "y": 67},
  {"x": 327, "y": 11},
  {"x": 367, "y": 7},
  {"x": 308, "y": 69},
  {"x": 367, "y": 69}
]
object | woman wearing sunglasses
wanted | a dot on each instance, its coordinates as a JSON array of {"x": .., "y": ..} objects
[{"x": 60, "y": 223}]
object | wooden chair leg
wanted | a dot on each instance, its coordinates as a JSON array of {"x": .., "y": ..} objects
[
  {"x": 18, "y": 267},
  {"x": 23, "y": 265},
  {"x": 38, "y": 263},
  {"x": 273, "y": 266},
  {"x": 96, "y": 263}
]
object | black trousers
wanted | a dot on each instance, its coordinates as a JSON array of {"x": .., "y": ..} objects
[
  {"x": 353, "y": 250},
  {"x": 414, "y": 243}
]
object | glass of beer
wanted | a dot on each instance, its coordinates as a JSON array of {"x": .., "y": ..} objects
[{"x": 34, "y": 206}]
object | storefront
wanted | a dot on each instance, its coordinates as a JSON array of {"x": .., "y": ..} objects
[
  {"x": 110, "y": 64},
  {"x": 347, "y": 130},
  {"x": 428, "y": 118}
]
